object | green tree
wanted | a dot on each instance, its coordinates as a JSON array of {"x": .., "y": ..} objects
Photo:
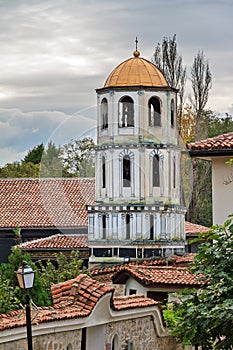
[
  {"x": 51, "y": 163},
  {"x": 204, "y": 316},
  {"x": 170, "y": 62},
  {"x": 34, "y": 156},
  {"x": 65, "y": 269},
  {"x": 39, "y": 162},
  {"x": 46, "y": 274},
  {"x": 8, "y": 278},
  {"x": 201, "y": 80},
  {"x": 219, "y": 124},
  {"x": 79, "y": 157},
  {"x": 19, "y": 170}
]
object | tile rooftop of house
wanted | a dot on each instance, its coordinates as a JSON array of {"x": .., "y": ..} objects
[
  {"x": 221, "y": 142},
  {"x": 59, "y": 241},
  {"x": 193, "y": 229},
  {"x": 105, "y": 274},
  {"x": 155, "y": 276},
  {"x": 45, "y": 202},
  {"x": 72, "y": 299},
  {"x": 48, "y": 203}
]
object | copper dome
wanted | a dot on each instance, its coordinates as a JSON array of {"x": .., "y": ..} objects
[{"x": 136, "y": 71}]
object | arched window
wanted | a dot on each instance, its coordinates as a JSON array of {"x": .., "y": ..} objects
[
  {"x": 127, "y": 226},
  {"x": 174, "y": 172},
  {"x": 172, "y": 114},
  {"x": 104, "y": 113},
  {"x": 126, "y": 112},
  {"x": 104, "y": 226},
  {"x": 103, "y": 173},
  {"x": 156, "y": 180},
  {"x": 126, "y": 171},
  {"x": 151, "y": 227},
  {"x": 115, "y": 343},
  {"x": 154, "y": 112},
  {"x": 69, "y": 347}
]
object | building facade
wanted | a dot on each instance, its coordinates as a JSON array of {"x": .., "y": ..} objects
[{"x": 138, "y": 212}]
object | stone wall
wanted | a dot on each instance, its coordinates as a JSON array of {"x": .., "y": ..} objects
[
  {"x": 140, "y": 332},
  {"x": 135, "y": 334},
  {"x": 57, "y": 341}
]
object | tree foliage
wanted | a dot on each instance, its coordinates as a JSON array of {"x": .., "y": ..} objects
[
  {"x": 201, "y": 80},
  {"x": 204, "y": 316},
  {"x": 79, "y": 157},
  {"x": 39, "y": 162},
  {"x": 20, "y": 170},
  {"x": 34, "y": 156},
  {"x": 167, "y": 58},
  {"x": 51, "y": 164},
  {"x": 64, "y": 270},
  {"x": 12, "y": 296},
  {"x": 16, "y": 294}
]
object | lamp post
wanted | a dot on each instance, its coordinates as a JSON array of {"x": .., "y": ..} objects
[{"x": 25, "y": 276}]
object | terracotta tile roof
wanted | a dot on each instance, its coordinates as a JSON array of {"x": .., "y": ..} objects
[
  {"x": 45, "y": 202},
  {"x": 82, "y": 290},
  {"x": 57, "y": 242},
  {"x": 105, "y": 274},
  {"x": 72, "y": 299},
  {"x": 155, "y": 276},
  {"x": 132, "y": 301},
  {"x": 221, "y": 142},
  {"x": 192, "y": 229}
]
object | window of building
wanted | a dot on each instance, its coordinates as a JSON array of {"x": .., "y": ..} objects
[
  {"x": 104, "y": 226},
  {"x": 69, "y": 347},
  {"x": 174, "y": 172},
  {"x": 104, "y": 114},
  {"x": 103, "y": 173},
  {"x": 126, "y": 171},
  {"x": 154, "y": 112},
  {"x": 151, "y": 227},
  {"x": 132, "y": 291},
  {"x": 172, "y": 114},
  {"x": 126, "y": 112},
  {"x": 127, "y": 226},
  {"x": 156, "y": 180},
  {"x": 115, "y": 343}
]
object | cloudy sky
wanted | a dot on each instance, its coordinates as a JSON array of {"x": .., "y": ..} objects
[{"x": 55, "y": 53}]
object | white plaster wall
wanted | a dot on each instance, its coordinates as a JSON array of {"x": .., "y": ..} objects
[
  {"x": 222, "y": 194},
  {"x": 132, "y": 284},
  {"x": 95, "y": 338}
]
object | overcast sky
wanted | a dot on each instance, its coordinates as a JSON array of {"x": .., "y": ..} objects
[{"x": 55, "y": 53}]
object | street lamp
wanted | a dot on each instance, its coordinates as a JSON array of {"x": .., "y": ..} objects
[{"x": 25, "y": 275}]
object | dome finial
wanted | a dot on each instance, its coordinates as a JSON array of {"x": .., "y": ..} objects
[{"x": 136, "y": 52}]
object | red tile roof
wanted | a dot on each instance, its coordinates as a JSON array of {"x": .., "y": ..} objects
[
  {"x": 82, "y": 290},
  {"x": 221, "y": 142},
  {"x": 105, "y": 274},
  {"x": 45, "y": 202},
  {"x": 57, "y": 242},
  {"x": 72, "y": 299},
  {"x": 132, "y": 301},
  {"x": 193, "y": 229},
  {"x": 155, "y": 276}
]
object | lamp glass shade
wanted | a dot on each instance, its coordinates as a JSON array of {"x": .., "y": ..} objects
[{"x": 25, "y": 275}]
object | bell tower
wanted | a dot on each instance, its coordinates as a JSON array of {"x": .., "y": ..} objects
[{"x": 138, "y": 212}]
